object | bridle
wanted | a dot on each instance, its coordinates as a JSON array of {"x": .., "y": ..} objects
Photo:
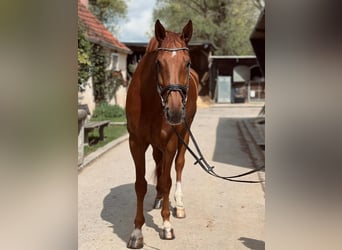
[{"x": 183, "y": 90}]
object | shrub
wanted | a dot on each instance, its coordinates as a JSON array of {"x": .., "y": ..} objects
[{"x": 106, "y": 111}]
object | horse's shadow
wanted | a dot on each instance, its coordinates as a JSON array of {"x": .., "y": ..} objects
[
  {"x": 119, "y": 208},
  {"x": 253, "y": 244}
]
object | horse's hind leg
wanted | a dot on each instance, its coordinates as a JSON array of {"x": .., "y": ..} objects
[
  {"x": 179, "y": 163},
  {"x": 138, "y": 153},
  {"x": 157, "y": 156}
]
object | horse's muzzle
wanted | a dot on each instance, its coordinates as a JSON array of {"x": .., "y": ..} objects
[{"x": 174, "y": 117}]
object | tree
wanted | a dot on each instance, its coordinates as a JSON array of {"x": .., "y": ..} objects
[
  {"x": 109, "y": 12},
  {"x": 83, "y": 57},
  {"x": 92, "y": 62},
  {"x": 226, "y": 23}
]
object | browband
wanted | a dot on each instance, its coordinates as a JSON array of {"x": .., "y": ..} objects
[{"x": 173, "y": 49}]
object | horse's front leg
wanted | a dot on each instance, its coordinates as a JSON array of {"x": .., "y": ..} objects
[
  {"x": 179, "y": 163},
  {"x": 165, "y": 185},
  {"x": 138, "y": 153}
]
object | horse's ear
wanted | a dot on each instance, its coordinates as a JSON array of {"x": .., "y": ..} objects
[
  {"x": 187, "y": 32},
  {"x": 159, "y": 31}
]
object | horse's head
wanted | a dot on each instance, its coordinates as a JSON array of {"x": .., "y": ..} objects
[{"x": 173, "y": 70}]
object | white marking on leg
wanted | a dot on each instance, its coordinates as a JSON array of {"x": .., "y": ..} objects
[
  {"x": 167, "y": 225},
  {"x": 167, "y": 232},
  {"x": 136, "y": 233},
  {"x": 173, "y": 53},
  {"x": 179, "y": 195}
]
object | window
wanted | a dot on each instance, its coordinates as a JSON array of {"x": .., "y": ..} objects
[{"x": 114, "y": 64}]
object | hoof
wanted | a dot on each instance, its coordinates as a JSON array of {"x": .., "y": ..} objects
[
  {"x": 135, "y": 243},
  {"x": 136, "y": 240},
  {"x": 158, "y": 203},
  {"x": 167, "y": 234},
  {"x": 180, "y": 212}
]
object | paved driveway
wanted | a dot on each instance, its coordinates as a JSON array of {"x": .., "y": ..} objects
[{"x": 219, "y": 214}]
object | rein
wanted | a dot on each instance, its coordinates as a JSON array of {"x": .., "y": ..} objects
[{"x": 205, "y": 165}]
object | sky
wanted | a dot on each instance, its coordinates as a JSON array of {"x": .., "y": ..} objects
[{"x": 139, "y": 21}]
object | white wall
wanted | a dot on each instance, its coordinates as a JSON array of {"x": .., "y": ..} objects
[
  {"x": 87, "y": 97},
  {"x": 120, "y": 98}
]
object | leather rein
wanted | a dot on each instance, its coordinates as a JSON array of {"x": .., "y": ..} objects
[{"x": 205, "y": 165}]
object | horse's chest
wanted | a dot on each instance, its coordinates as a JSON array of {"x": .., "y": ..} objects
[{"x": 154, "y": 130}]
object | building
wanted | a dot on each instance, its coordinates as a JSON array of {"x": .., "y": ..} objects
[
  {"x": 236, "y": 79},
  {"x": 115, "y": 51}
]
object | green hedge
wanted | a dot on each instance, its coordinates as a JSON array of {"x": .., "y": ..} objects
[{"x": 105, "y": 111}]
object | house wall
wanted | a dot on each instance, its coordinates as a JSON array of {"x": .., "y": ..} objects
[
  {"x": 87, "y": 96},
  {"x": 120, "y": 96}
]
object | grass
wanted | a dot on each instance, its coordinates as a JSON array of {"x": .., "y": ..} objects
[
  {"x": 111, "y": 132},
  {"x": 112, "y": 119}
]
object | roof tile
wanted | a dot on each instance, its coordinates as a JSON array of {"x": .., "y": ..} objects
[{"x": 97, "y": 31}]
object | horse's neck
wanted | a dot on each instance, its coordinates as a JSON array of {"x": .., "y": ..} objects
[{"x": 152, "y": 45}]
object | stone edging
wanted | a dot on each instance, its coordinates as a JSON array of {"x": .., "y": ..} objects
[{"x": 94, "y": 155}]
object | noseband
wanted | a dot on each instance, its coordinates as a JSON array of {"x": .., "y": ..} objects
[{"x": 183, "y": 90}]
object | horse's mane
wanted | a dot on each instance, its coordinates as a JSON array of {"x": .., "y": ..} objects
[{"x": 152, "y": 45}]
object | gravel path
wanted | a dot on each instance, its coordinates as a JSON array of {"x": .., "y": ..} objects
[{"x": 219, "y": 214}]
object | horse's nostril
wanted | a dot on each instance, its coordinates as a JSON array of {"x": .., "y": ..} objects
[{"x": 174, "y": 117}]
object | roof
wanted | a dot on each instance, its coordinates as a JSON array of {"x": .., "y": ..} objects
[{"x": 97, "y": 32}]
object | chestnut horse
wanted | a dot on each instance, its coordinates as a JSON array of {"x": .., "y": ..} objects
[{"x": 161, "y": 96}]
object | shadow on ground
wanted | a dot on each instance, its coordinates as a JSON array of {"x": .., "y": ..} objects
[
  {"x": 119, "y": 208},
  {"x": 93, "y": 140},
  {"x": 229, "y": 143},
  {"x": 252, "y": 243}
]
